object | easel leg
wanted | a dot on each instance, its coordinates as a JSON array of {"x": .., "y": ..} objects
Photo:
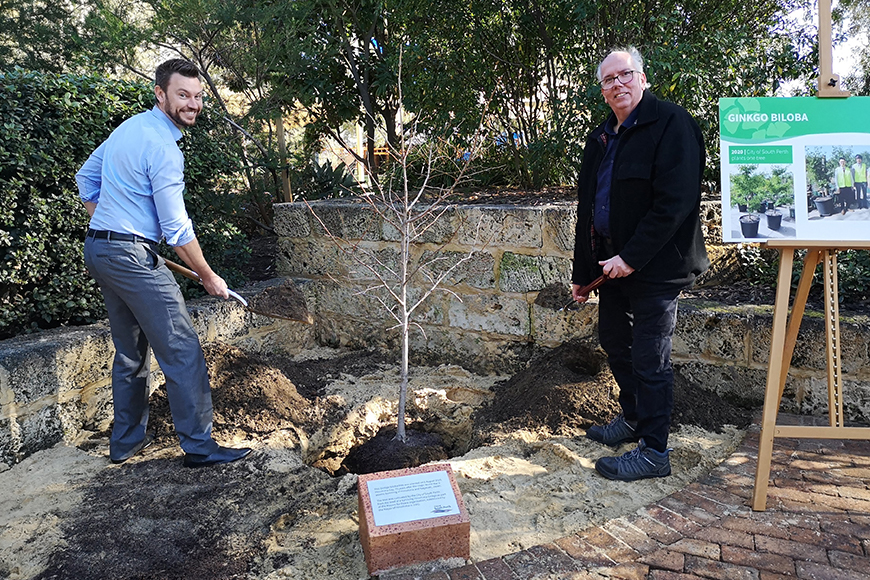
[
  {"x": 775, "y": 376},
  {"x": 797, "y": 310},
  {"x": 832, "y": 333}
]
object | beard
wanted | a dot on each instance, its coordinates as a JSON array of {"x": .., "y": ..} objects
[{"x": 179, "y": 119}]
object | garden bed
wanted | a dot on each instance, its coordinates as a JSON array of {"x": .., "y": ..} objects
[{"x": 289, "y": 510}]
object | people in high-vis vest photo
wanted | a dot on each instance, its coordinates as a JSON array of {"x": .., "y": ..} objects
[
  {"x": 843, "y": 176},
  {"x": 859, "y": 176}
]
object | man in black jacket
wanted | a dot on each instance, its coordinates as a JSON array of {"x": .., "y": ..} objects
[{"x": 638, "y": 223}]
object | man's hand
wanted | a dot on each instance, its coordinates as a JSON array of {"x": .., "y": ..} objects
[
  {"x": 615, "y": 267},
  {"x": 215, "y": 285},
  {"x": 191, "y": 253},
  {"x": 581, "y": 298}
]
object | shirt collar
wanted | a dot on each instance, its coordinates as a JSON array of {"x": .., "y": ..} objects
[
  {"x": 610, "y": 126},
  {"x": 159, "y": 114}
]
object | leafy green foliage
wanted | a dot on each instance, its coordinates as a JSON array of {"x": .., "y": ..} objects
[
  {"x": 752, "y": 188},
  {"x": 51, "y": 123},
  {"x": 516, "y": 67},
  {"x": 323, "y": 181},
  {"x": 529, "y": 69},
  {"x": 853, "y": 274},
  {"x": 760, "y": 266},
  {"x": 38, "y": 34}
]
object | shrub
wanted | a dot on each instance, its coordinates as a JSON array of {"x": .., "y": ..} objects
[
  {"x": 760, "y": 266},
  {"x": 50, "y": 125}
]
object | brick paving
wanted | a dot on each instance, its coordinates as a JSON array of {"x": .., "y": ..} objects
[{"x": 817, "y": 525}]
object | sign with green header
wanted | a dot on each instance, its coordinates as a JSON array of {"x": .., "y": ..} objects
[{"x": 795, "y": 168}]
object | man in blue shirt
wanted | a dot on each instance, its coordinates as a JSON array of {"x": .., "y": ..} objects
[{"x": 132, "y": 186}]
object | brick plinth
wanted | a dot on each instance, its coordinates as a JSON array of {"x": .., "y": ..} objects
[{"x": 411, "y": 542}]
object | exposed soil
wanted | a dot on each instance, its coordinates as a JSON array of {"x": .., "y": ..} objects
[
  {"x": 255, "y": 395},
  {"x": 70, "y": 514},
  {"x": 562, "y": 390},
  {"x": 385, "y": 452},
  {"x": 282, "y": 301},
  {"x": 571, "y": 388}
]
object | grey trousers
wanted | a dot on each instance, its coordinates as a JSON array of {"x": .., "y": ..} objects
[{"x": 145, "y": 309}]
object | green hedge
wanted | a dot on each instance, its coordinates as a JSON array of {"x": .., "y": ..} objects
[
  {"x": 760, "y": 266},
  {"x": 50, "y": 124}
]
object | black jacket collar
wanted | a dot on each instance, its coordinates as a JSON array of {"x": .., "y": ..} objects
[{"x": 648, "y": 112}]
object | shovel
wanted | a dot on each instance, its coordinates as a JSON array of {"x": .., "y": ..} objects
[
  {"x": 585, "y": 290},
  {"x": 287, "y": 297}
]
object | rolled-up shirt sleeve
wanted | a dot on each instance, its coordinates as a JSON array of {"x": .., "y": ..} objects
[
  {"x": 90, "y": 177},
  {"x": 166, "y": 170}
]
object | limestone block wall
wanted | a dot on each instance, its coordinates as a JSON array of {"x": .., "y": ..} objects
[
  {"x": 502, "y": 302},
  {"x": 485, "y": 316},
  {"x": 505, "y": 300},
  {"x": 56, "y": 385}
]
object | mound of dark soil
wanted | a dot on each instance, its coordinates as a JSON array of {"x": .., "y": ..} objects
[
  {"x": 561, "y": 390},
  {"x": 694, "y": 405},
  {"x": 571, "y": 388},
  {"x": 260, "y": 394},
  {"x": 384, "y": 452}
]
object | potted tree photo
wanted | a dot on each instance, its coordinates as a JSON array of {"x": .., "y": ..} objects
[
  {"x": 749, "y": 225},
  {"x": 774, "y": 218}
]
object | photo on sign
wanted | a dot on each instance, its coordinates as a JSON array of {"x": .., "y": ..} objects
[
  {"x": 836, "y": 178},
  {"x": 762, "y": 201}
]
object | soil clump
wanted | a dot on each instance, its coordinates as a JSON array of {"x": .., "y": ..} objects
[
  {"x": 385, "y": 452},
  {"x": 282, "y": 301}
]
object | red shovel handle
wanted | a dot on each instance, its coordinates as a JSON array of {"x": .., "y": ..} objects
[{"x": 585, "y": 290}]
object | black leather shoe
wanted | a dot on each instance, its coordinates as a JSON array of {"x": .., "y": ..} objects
[
  {"x": 146, "y": 442},
  {"x": 222, "y": 455}
]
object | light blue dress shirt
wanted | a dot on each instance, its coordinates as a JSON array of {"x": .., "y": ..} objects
[{"x": 136, "y": 178}]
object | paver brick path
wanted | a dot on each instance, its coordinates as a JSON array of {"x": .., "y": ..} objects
[{"x": 817, "y": 525}]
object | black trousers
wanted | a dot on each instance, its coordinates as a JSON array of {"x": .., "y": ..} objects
[{"x": 636, "y": 332}]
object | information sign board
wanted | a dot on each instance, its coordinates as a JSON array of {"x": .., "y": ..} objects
[
  {"x": 795, "y": 168},
  {"x": 413, "y": 497}
]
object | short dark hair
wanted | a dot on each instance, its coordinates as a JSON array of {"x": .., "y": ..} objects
[
  {"x": 859, "y": 157},
  {"x": 176, "y": 65}
]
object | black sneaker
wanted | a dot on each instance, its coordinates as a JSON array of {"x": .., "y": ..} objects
[
  {"x": 615, "y": 433},
  {"x": 639, "y": 463}
]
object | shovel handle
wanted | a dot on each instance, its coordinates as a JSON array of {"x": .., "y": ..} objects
[
  {"x": 188, "y": 273},
  {"x": 179, "y": 269},
  {"x": 585, "y": 290}
]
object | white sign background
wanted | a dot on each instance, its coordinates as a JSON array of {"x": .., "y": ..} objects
[{"x": 409, "y": 498}]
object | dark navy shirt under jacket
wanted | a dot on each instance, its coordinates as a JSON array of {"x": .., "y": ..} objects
[{"x": 605, "y": 174}]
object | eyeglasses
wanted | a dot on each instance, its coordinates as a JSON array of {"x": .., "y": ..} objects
[{"x": 624, "y": 78}]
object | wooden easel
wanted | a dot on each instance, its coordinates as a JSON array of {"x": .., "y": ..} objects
[
  {"x": 784, "y": 337},
  {"x": 782, "y": 345}
]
